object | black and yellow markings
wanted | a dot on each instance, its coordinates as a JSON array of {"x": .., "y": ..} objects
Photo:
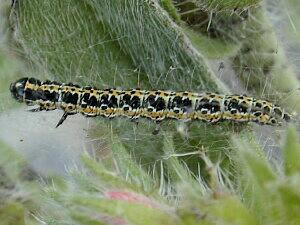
[{"x": 156, "y": 105}]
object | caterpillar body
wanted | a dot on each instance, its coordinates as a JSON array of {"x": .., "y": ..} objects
[{"x": 134, "y": 103}]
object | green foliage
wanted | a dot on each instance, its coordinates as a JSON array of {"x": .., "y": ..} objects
[
  {"x": 263, "y": 66},
  {"x": 80, "y": 50},
  {"x": 274, "y": 198},
  {"x": 226, "y": 4},
  {"x": 292, "y": 152},
  {"x": 276, "y": 190},
  {"x": 171, "y": 9},
  {"x": 199, "y": 176},
  {"x": 217, "y": 5},
  {"x": 17, "y": 188},
  {"x": 12, "y": 214},
  {"x": 248, "y": 38},
  {"x": 212, "y": 48},
  {"x": 9, "y": 67}
]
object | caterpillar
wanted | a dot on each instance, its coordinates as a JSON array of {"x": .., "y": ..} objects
[{"x": 134, "y": 103}]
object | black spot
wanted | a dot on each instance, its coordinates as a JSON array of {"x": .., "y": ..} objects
[
  {"x": 177, "y": 102},
  {"x": 160, "y": 104},
  {"x": 92, "y": 101},
  {"x": 85, "y": 97},
  {"x": 55, "y": 83},
  {"x": 103, "y": 100},
  {"x": 151, "y": 99},
  {"x": 46, "y": 82},
  {"x": 204, "y": 111},
  {"x": 258, "y": 104},
  {"x": 278, "y": 112},
  {"x": 53, "y": 97},
  {"x": 233, "y": 111},
  {"x": 243, "y": 107},
  {"x": 267, "y": 109},
  {"x": 150, "y": 109},
  {"x": 203, "y": 104},
  {"x": 212, "y": 96},
  {"x": 273, "y": 121},
  {"x": 233, "y": 104},
  {"x": 176, "y": 111},
  {"x": 133, "y": 92},
  {"x": 35, "y": 95},
  {"x": 68, "y": 97},
  {"x": 286, "y": 117},
  {"x": 157, "y": 92},
  {"x": 113, "y": 102},
  {"x": 187, "y": 102},
  {"x": 126, "y": 99},
  {"x": 34, "y": 81},
  {"x": 135, "y": 102},
  {"x": 29, "y": 95},
  {"x": 215, "y": 106},
  {"x": 257, "y": 114},
  {"x": 87, "y": 88},
  {"x": 126, "y": 108},
  {"x": 104, "y": 107}
]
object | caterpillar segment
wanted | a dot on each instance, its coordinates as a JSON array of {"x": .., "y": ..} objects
[{"x": 155, "y": 105}]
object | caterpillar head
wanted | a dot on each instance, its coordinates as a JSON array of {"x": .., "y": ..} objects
[{"x": 17, "y": 89}]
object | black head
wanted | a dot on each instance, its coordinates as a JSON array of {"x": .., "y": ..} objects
[{"x": 17, "y": 88}]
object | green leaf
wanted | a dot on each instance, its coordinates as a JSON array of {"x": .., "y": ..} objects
[
  {"x": 105, "y": 176},
  {"x": 156, "y": 44},
  {"x": 129, "y": 168},
  {"x": 212, "y": 48},
  {"x": 73, "y": 46},
  {"x": 253, "y": 162},
  {"x": 85, "y": 219},
  {"x": 226, "y": 4},
  {"x": 229, "y": 210},
  {"x": 290, "y": 195},
  {"x": 170, "y": 8},
  {"x": 12, "y": 214},
  {"x": 291, "y": 152},
  {"x": 135, "y": 213}
]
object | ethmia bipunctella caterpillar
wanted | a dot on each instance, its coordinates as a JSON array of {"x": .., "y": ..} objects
[{"x": 134, "y": 103}]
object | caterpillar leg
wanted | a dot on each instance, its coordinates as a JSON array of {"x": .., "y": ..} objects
[
  {"x": 135, "y": 121},
  {"x": 35, "y": 109},
  {"x": 157, "y": 128},
  {"x": 63, "y": 118}
]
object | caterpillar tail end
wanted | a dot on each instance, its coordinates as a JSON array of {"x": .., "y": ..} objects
[{"x": 292, "y": 119}]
